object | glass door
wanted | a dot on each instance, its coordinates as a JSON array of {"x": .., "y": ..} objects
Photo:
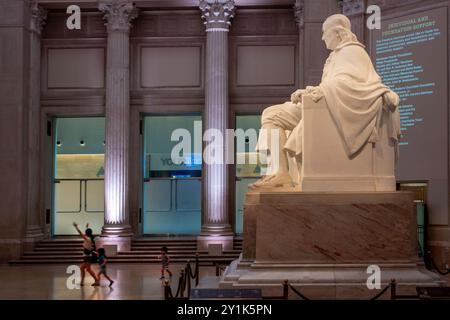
[
  {"x": 172, "y": 180},
  {"x": 79, "y": 174}
]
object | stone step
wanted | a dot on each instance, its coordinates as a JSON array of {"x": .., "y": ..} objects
[
  {"x": 62, "y": 240},
  {"x": 60, "y": 244},
  {"x": 175, "y": 253},
  {"x": 78, "y": 248},
  {"x": 129, "y": 256},
  {"x": 181, "y": 249},
  {"x": 168, "y": 247},
  {"x": 75, "y": 260}
]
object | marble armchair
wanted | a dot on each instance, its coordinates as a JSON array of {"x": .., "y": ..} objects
[{"x": 325, "y": 165}]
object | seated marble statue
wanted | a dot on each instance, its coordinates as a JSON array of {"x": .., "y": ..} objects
[{"x": 355, "y": 97}]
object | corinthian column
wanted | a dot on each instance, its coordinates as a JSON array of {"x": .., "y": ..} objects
[
  {"x": 354, "y": 10},
  {"x": 34, "y": 223},
  {"x": 118, "y": 14},
  {"x": 215, "y": 221},
  {"x": 299, "y": 13}
]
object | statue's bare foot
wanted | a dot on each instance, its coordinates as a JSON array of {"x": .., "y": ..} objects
[
  {"x": 261, "y": 181},
  {"x": 275, "y": 181}
]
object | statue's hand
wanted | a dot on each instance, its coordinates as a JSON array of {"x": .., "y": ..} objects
[
  {"x": 391, "y": 100},
  {"x": 315, "y": 93},
  {"x": 296, "y": 97}
]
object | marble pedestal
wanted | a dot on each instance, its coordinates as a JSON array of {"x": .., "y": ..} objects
[
  {"x": 203, "y": 242},
  {"x": 121, "y": 243},
  {"x": 323, "y": 244}
]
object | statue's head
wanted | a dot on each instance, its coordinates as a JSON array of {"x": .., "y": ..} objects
[{"x": 337, "y": 30}]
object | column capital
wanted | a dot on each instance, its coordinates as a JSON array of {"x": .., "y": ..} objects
[
  {"x": 352, "y": 7},
  {"x": 299, "y": 13},
  {"x": 118, "y": 14},
  {"x": 37, "y": 17},
  {"x": 217, "y": 14}
]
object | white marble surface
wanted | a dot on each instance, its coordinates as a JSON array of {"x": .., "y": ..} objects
[
  {"x": 118, "y": 15},
  {"x": 329, "y": 227},
  {"x": 345, "y": 131},
  {"x": 323, "y": 243},
  {"x": 217, "y": 19}
]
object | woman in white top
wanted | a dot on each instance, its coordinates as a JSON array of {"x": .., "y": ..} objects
[{"x": 89, "y": 253}]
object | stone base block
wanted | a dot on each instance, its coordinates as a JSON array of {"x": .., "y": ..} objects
[
  {"x": 204, "y": 241},
  {"x": 324, "y": 243},
  {"x": 308, "y": 227},
  {"x": 10, "y": 249},
  {"x": 121, "y": 243},
  {"x": 327, "y": 281}
]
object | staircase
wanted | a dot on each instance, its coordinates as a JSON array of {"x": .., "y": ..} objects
[{"x": 143, "y": 250}]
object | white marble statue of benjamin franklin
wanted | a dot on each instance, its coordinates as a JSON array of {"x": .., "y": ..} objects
[{"x": 355, "y": 97}]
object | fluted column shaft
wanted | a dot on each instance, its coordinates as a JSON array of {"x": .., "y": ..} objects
[
  {"x": 355, "y": 10},
  {"x": 34, "y": 225},
  {"x": 299, "y": 14},
  {"x": 217, "y": 15},
  {"x": 118, "y": 15},
  {"x": 215, "y": 117}
]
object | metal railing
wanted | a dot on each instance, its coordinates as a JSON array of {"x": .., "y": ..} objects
[
  {"x": 184, "y": 282},
  {"x": 392, "y": 286},
  {"x": 187, "y": 275}
]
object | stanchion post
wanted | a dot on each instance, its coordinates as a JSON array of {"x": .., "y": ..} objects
[
  {"x": 188, "y": 268},
  {"x": 166, "y": 290},
  {"x": 197, "y": 270},
  {"x": 285, "y": 289},
  {"x": 183, "y": 283},
  {"x": 393, "y": 289},
  {"x": 188, "y": 279}
]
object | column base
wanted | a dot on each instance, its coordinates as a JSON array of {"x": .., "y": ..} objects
[
  {"x": 33, "y": 235},
  {"x": 10, "y": 249},
  {"x": 115, "y": 238},
  {"x": 34, "y": 232},
  {"x": 216, "y": 230},
  {"x": 113, "y": 245},
  {"x": 215, "y": 234},
  {"x": 116, "y": 230},
  {"x": 204, "y": 241}
]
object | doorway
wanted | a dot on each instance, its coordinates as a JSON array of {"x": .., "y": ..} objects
[
  {"x": 78, "y": 184},
  {"x": 420, "y": 200},
  {"x": 171, "y": 190}
]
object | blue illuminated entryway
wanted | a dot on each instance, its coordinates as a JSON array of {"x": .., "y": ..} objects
[
  {"x": 78, "y": 193},
  {"x": 172, "y": 191}
]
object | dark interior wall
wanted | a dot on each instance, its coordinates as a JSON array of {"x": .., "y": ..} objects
[
  {"x": 315, "y": 52},
  {"x": 14, "y": 85}
]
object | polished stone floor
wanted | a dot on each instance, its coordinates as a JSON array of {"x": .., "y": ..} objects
[{"x": 132, "y": 281}]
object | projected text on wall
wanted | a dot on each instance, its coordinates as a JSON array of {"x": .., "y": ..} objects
[{"x": 410, "y": 54}]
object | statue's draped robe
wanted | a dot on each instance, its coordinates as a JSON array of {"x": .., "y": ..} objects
[{"x": 356, "y": 99}]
